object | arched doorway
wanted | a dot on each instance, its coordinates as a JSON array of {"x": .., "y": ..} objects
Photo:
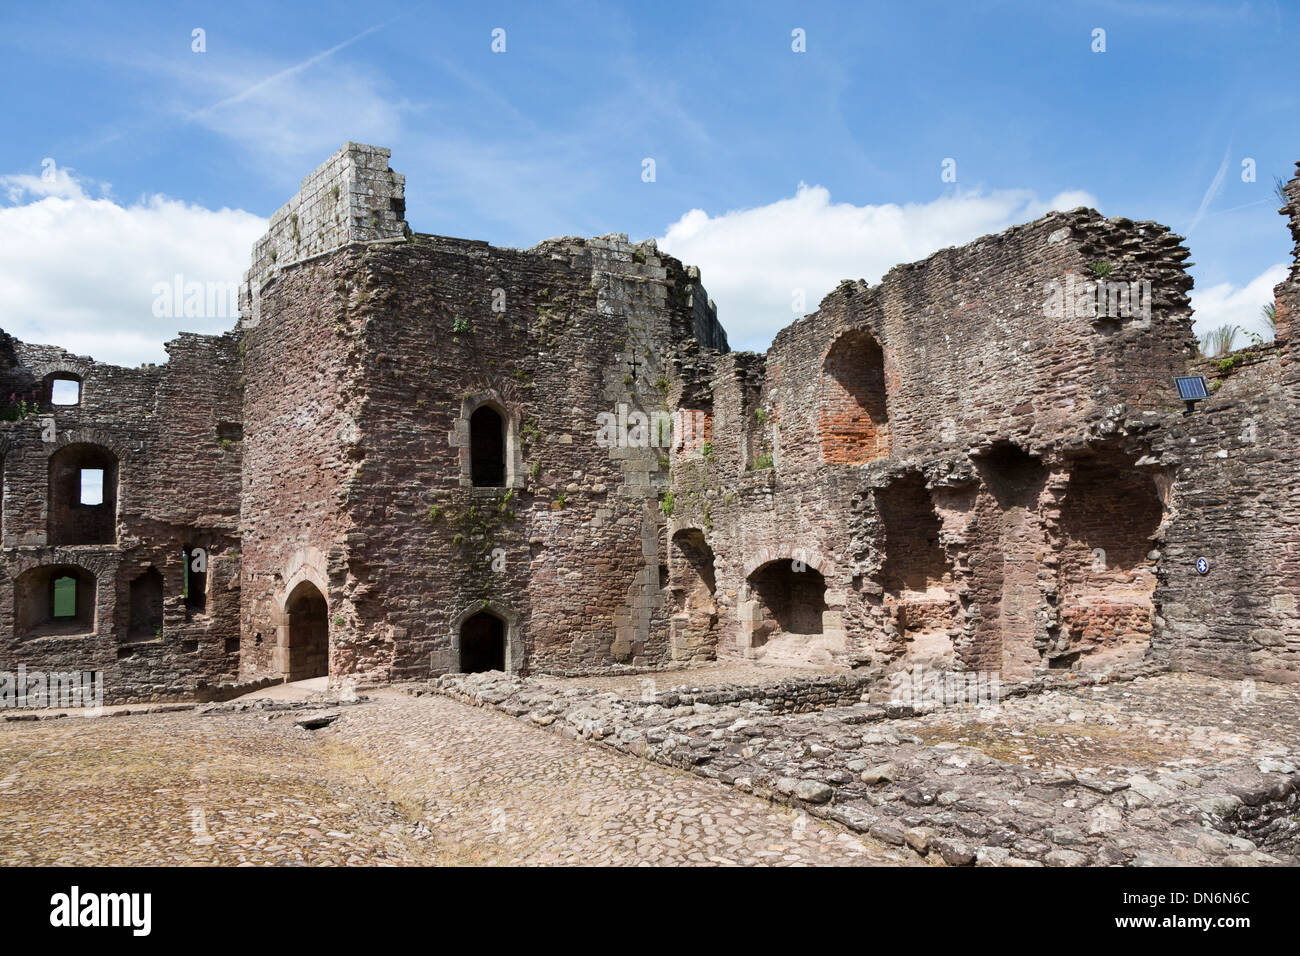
[
  {"x": 308, "y": 632},
  {"x": 791, "y": 596},
  {"x": 482, "y": 643},
  {"x": 692, "y": 587}
]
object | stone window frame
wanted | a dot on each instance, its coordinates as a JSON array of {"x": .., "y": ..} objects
[
  {"x": 44, "y": 372},
  {"x": 62, "y": 375},
  {"x": 514, "y": 638},
  {"x": 459, "y": 438},
  {"x": 194, "y": 608}
]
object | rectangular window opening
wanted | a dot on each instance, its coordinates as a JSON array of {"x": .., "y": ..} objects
[
  {"x": 65, "y": 598},
  {"x": 194, "y": 586},
  {"x": 92, "y": 486},
  {"x": 65, "y": 391}
]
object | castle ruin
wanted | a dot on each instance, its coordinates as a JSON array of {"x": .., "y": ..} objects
[{"x": 419, "y": 455}]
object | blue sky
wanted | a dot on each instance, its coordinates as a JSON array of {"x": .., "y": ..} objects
[{"x": 775, "y": 170}]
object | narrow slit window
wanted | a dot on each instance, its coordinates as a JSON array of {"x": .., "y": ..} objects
[
  {"x": 92, "y": 486},
  {"x": 195, "y": 586}
]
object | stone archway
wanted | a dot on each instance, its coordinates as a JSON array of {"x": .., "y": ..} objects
[
  {"x": 306, "y": 634},
  {"x": 692, "y": 588},
  {"x": 853, "y": 417},
  {"x": 489, "y": 648},
  {"x": 791, "y": 599},
  {"x": 482, "y": 643}
]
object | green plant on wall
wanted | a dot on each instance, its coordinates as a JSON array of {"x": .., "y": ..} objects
[
  {"x": 479, "y": 524},
  {"x": 667, "y": 504}
]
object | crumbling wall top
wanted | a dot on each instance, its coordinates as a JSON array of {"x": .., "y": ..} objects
[{"x": 354, "y": 196}]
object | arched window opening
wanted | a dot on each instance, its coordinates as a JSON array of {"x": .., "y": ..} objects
[
  {"x": 57, "y": 601},
  {"x": 853, "y": 419},
  {"x": 83, "y": 496}
]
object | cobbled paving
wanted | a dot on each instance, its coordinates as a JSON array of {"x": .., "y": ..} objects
[
  {"x": 1161, "y": 770},
  {"x": 394, "y": 780}
]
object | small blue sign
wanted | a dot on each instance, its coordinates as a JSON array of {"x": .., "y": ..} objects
[{"x": 1202, "y": 566}]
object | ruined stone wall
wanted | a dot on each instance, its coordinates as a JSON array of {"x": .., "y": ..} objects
[
  {"x": 982, "y": 377},
  {"x": 352, "y": 197},
  {"x": 171, "y": 484},
  {"x": 365, "y": 371},
  {"x": 301, "y": 407},
  {"x": 1287, "y": 293},
  {"x": 1235, "y": 502},
  {"x": 980, "y": 463}
]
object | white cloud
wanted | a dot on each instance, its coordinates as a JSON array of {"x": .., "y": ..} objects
[
  {"x": 1227, "y": 304},
  {"x": 304, "y": 115},
  {"x": 307, "y": 109},
  {"x": 752, "y": 261},
  {"x": 79, "y": 272}
]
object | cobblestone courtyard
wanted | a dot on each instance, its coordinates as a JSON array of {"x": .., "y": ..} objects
[
  {"x": 489, "y": 769},
  {"x": 395, "y": 780}
]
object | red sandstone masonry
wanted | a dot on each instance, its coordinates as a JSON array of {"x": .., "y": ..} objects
[{"x": 942, "y": 452}]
